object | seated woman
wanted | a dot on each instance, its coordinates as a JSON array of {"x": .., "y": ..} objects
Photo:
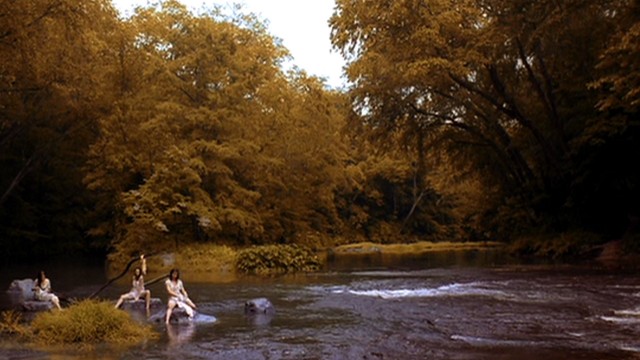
[
  {"x": 137, "y": 288},
  {"x": 177, "y": 295},
  {"x": 42, "y": 290}
]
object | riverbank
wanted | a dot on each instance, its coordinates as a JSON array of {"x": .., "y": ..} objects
[
  {"x": 223, "y": 264},
  {"x": 457, "y": 311},
  {"x": 413, "y": 248}
]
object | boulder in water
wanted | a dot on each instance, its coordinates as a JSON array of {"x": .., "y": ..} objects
[
  {"x": 22, "y": 290},
  {"x": 259, "y": 306},
  {"x": 179, "y": 316},
  {"x": 259, "y": 311},
  {"x": 34, "y": 305},
  {"x": 155, "y": 304},
  {"x": 22, "y": 296}
]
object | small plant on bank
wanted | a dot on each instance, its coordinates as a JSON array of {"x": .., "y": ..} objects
[
  {"x": 11, "y": 323},
  {"x": 88, "y": 323},
  {"x": 276, "y": 259}
]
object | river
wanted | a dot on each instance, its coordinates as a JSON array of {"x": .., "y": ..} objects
[{"x": 463, "y": 305}]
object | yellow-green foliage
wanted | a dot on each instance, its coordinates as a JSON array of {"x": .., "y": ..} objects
[
  {"x": 87, "y": 323},
  {"x": 276, "y": 259},
  {"x": 11, "y": 323},
  {"x": 413, "y": 248},
  {"x": 318, "y": 241},
  {"x": 207, "y": 257},
  {"x": 195, "y": 257}
]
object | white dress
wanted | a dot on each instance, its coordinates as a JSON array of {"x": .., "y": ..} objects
[
  {"x": 137, "y": 288},
  {"x": 43, "y": 291},
  {"x": 177, "y": 288}
]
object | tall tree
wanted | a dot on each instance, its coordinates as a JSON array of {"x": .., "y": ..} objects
[
  {"x": 211, "y": 140},
  {"x": 54, "y": 56},
  {"x": 503, "y": 85}
]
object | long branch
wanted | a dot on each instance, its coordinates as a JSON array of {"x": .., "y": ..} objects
[
  {"x": 552, "y": 99},
  {"x": 545, "y": 92},
  {"x": 18, "y": 178},
  {"x": 514, "y": 112},
  {"x": 38, "y": 155},
  {"x": 413, "y": 209},
  {"x": 123, "y": 273},
  {"x": 520, "y": 169}
]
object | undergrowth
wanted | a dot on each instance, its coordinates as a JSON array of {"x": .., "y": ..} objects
[
  {"x": 570, "y": 244},
  {"x": 86, "y": 323},
  {"x": 276, "y": 259},
  {"x": 12, "y": 323}
]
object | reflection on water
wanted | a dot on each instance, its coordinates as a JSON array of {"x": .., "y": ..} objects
[
  {"x": 180, "y": 334},
  {"x": 436, "y": 259},
  {"x": 260, "y": 320},
  {"x": 448, "y": 306}
]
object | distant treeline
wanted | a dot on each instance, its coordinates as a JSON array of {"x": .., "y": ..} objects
[{"x": 485, "y": 120}]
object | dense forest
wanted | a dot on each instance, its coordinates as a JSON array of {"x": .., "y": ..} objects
[{"x": 462, "y": 120}]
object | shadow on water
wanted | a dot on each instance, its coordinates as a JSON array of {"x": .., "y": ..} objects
[{"x": 434, "y": 259}]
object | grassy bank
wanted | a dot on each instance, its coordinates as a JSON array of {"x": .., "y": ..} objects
[
  {"x": 218, "y": 263},
  {"x": 84, "y": 324},
  {"x": 567, "y": 245},
  {"x": 413, "y": 248}
]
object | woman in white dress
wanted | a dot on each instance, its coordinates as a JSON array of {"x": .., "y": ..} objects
[
  {"x": 42, "y": 289},
  {"x": 137, "y": 288},
  {"x": 177, "y": 295}
]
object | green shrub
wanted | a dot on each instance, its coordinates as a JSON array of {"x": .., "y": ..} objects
[
  {"x": 276, "y": 259},
  {"x": 87, "y": 323}
]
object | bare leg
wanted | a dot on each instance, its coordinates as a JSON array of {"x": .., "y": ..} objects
[
  {"x": 120, "y": 301},
  {"x": 189, "y": 302},
  {"x": 170, "y": 307},
  {"x": 148, "y": 298},
  {"x": 56, "y": 302}
]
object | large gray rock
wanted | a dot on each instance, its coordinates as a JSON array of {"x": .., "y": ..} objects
[
  {"x": 22, "y": 296},
  {"x": 36, "y": 305},
  {"x": 21, "y": 290},
  {"x": 259, "y": 306},
  {"x": 259, "y": 311},
  {"x": 179, "y": 316},
  {"x": 155, "y": 305}
]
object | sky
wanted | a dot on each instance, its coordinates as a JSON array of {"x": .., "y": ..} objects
[{"x": 302, "y": 25}]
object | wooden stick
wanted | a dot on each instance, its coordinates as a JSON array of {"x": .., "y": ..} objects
[
  {"x": 146, "y": 284},
  {"x": 123, "y": 273}
]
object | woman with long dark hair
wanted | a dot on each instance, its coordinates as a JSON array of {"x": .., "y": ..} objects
[
  {"x": 42, "y": 289},
  {"x": 177, "y": 295},
  {"x": 137, "y": 286}
]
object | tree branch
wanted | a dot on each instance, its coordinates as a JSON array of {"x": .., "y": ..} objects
[
  {"x": 514, "y": 112},
  {"x": 544, "y": 93}
]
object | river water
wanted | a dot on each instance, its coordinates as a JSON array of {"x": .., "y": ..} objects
[{"x": 463, "y": 305}]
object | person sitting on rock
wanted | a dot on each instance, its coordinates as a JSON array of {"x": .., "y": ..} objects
[
  {"x": 137, "y": 289},
  {"x": 177, "y": 295},
  {"x": 42, "y": 289}
]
